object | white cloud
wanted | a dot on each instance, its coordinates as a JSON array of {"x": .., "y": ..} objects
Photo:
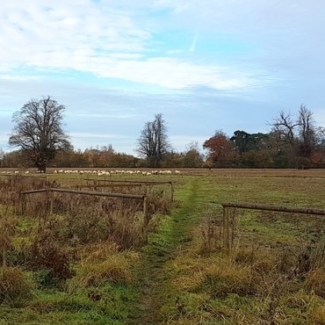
[
  {"x": 260, "y": 56},
  {"x": 107, "y": 42}
]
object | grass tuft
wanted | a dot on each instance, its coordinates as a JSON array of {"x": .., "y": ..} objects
[
  {"x": 315, "y": 282},
  {"x": 115, "y": 270},
  {"x": 15, "y": 287}
]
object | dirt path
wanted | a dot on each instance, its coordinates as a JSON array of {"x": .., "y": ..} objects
[{"x": 152, "y": 278}]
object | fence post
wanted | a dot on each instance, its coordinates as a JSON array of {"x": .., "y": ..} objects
[
  {"x": 145, "y": 210},
  {"x": 23, "y": 203},
  {"x": 172, "y": 191},
  {"x": 51, "y": 200},
  {"x": 233, "y": 226},
  {"x": 226, "y": 237}
]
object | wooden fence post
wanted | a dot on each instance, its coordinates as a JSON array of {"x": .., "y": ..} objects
[
  {"x": 50, "y": 193},
  {"x": 226, "y": 237},
  {"x": 23, "y": 203},
  {"x": 145, "y": 210}
]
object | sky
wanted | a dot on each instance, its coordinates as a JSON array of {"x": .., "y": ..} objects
[{"x": 205, "y": 65}]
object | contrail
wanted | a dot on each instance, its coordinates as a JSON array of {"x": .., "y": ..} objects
[{"x": 195, "y": 39}]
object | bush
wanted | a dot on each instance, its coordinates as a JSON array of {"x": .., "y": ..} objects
[
  {"x": 46, "y": 254},
  {"x": 46, "y": 279},
  {"x": 14, "y": 286}
]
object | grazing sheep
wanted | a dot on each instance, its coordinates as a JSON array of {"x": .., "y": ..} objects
[
  {"x": 103, "y": 173},
  {"x": 165, "y": 172}
]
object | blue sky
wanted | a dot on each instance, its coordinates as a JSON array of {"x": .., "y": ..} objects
[{"x": 206, "y": 65}]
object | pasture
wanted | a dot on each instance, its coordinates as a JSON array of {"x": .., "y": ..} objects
[{"x": 149, "y": 248}]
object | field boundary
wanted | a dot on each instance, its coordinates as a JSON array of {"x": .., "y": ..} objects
[
  {"x": 49, "y": 191},
  {"x": 228, "y": 218}
]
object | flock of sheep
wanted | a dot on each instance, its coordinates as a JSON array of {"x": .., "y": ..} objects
[
  {"x": 16, "y": 172},
  {"x": 117, "y": 171},
  {"x": 100, "y": 172}
]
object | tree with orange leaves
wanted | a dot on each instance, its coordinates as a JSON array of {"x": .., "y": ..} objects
[{"x": 221, "y": 150}]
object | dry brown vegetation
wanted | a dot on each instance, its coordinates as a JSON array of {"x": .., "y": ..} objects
[
  {"x": 61, "y": 236},
  {"x": 274, "y": 273},
  {"x": 83, "y": 245}
]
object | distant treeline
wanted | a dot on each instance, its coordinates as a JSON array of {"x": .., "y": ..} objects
[
  {"x": 294, "y": 141},
  {"x": 242, "y": 150}
]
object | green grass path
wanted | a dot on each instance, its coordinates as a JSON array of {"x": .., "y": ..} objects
[{"x": 152, "y": 278}]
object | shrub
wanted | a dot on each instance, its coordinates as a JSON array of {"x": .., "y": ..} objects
[
  {"x": 46, "y": 254},
  {"x": 46, "y": 278},
  {"x": 14, "y": 286}
]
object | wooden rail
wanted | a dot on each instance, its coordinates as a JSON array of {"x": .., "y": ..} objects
[
  {"x": 227, "y": 241},
  {"x": 274, "y": 208},
  {"x": 135, "y": 183},
  {"x": 126, "y": 181},
  {"x": 93, "y": 193}
]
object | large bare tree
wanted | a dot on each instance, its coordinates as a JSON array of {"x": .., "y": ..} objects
[
  {"x": 38, "y": 131},
  {"x": 307, "y": 132},
  {"x": 284, "y": 127},
  {"x": 153, "y": 142},
  {"x": 297, "y": 139}
]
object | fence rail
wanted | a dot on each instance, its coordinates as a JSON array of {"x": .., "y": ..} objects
[
  {"x": 92, "y": 193},
  {"x": 274, "y": 208},
  {"x": 228, "y": 229},
  {"x": 135, "y": 183}
]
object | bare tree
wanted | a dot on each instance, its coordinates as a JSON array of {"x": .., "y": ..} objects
[
  {"x": 284, "y": 139},
  {"x": 192, "y": 157},
  {"x": 38, "y": 131},
  {"x": 296, "y": 139},
  {"x": 153, "y": 142},
  {"x": 284, "y": 127},
  {"x": 307, "y": 132}
]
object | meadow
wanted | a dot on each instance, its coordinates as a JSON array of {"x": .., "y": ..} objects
[{"x": 72, "y": 258}]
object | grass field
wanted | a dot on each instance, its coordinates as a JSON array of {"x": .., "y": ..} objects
[{"x": 113, "y": 268}]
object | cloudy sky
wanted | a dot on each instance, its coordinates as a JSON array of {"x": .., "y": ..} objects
[{"x": 205, "y": 65}]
